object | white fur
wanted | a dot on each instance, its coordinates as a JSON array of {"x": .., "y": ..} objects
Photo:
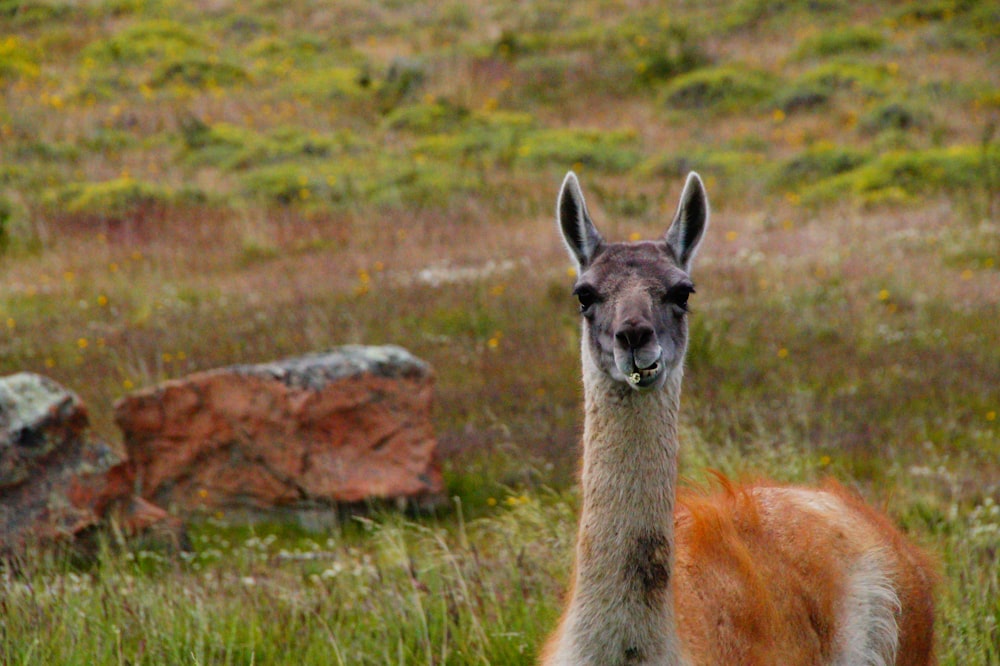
[
  {"x": 827, "y": 504},
  {"x": 868, "y": 633}
]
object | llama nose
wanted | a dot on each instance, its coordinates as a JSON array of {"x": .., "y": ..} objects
[{"x": 634, "y": 335}]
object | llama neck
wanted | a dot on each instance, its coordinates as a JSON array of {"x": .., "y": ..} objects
[{"x": 621, "y": 611}]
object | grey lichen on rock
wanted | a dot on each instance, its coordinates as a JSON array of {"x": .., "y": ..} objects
[
  {"x": 29, "y": 405},
  {"x": 316, "y": 371},
  {"x": 57, "y": 481}
]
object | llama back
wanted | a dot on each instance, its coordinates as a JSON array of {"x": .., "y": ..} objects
[{"x": 770, "y": 574}]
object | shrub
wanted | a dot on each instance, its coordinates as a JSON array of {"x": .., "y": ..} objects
[
  {"x": 105, "y": 85},
  {"x": 511, "y": 44},
  {"x": 111, "y": 199},
  {"x": 290, "y": 141},
  {"x": 486, "y": 138},
  {"x": 288, "y": 183},
  {"x": 746, "y": 14},
  {"x": 17, "y": 59},
  {"x": 802, "y": 97},
  {"x": 198, "y": 72},
  {"x": 894, "y": 116},
  {"x": 494, "y": 135},
  {"x": 19, "y": 12},
  {"x": 904, "y": 175},
  {"x": 401, "y": 183},
  {"x": 924, "y": 12},
  {"x": 816, "y": 164},
  {"x": 729, "y": 172},
  {"x": 436, "y": 116},
  {"x": 852, "y": 39},
  {"x": 598, "y": 149},
  {"x": 724, "y": 88},
  {"x": 388, "y": 181},
  {"x": 221, "y": 144},
  {"x": 837, "y": 75},
  {"x": 57, "y": 151},
  {"x": 334, "y": 83},
  {"x": 751, "y": 13},
  {"x": 475, "y": 142},
  {"x": 116, "y": 138},
  {"x": 6, "y": 213},
  {"x": 403, "y": 79},
  {"x": 659, "y": 49},
  {"x": 959, "y": 24},
  {"x": 296, "y": 53},
  {"x": 146, "y": 41},
  {"x": 233, "y": 147}
]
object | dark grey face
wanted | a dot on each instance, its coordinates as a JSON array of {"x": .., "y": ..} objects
[
  {"x": 634, "y": 296},
  {"x": 634, "y": 302}
]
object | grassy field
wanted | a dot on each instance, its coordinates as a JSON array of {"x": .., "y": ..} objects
[{"x": 189, "y": 185}]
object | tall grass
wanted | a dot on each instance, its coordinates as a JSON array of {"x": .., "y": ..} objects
[{"x": 389, "y": 591}]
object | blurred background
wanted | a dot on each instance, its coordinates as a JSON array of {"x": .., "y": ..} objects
[{"x": 186, "y": 185}]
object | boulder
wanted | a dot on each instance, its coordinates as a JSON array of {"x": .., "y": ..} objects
[
  {"x": 296, "y": 436},
  {"x": 56, "y": 481}
]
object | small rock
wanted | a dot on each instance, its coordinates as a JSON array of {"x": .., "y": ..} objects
[{"x": 56, "y": 482}]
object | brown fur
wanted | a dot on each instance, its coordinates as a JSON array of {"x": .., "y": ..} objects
[
  {"x": 649, "y": 564},
  {"x": 758, "y": 584}
]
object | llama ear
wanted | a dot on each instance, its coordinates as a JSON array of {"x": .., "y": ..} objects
[
  {"x": 689, "y": 224},
  {"x": 578, "y": 231}
]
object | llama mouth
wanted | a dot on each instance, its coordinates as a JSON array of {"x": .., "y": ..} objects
[{"x": 644, "y": 377}]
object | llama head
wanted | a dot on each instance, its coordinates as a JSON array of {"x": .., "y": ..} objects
[{"x": 634, "y": 296}]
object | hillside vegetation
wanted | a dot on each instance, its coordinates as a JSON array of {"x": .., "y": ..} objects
[{"x": 185, "y": 185}]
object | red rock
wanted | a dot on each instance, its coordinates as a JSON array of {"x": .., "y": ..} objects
[
  {"x": 56, "y": 481},
  {"x": 304, "y": 433}
]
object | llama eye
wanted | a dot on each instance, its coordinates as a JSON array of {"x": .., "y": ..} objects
[
  {"x": 587, "y": 297},
  {"x": 678, "y": 295}
]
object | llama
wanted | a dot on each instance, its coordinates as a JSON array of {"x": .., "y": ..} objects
[{"x": 756, "y": 574}]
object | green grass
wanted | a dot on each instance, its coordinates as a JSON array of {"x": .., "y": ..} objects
[{"x": 185, "y": 186}]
